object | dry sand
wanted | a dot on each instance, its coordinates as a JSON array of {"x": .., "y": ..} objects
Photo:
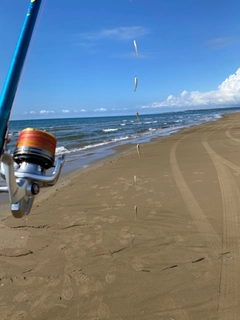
[{"x": 149, "y": 237}]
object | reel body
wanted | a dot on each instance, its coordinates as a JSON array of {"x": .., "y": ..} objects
[{"x": 25, "y": 171}]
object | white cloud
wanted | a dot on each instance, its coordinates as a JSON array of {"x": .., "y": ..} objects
[
  {"x": 65, "y": 111},
  {"x": 100, "y": 110},
  {"x": 32, "y": 112},
  {"x": 120, "y": 33},
  {"x": 77, "y": 111},
  {"x": 222, "y": 42},
  {"x": 228, "y": 94},
  {"x": 46, "y": 111},
  {"x": 124, "y": 33},
  {"x": 118, "y": 109}
]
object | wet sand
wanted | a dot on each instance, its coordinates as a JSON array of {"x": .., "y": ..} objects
[{"x": 149, "y": 236}]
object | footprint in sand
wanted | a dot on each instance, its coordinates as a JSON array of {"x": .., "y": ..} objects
[
  {"x": 110, "y": 276},
  {"x": 80, "y": 277},
  {"x": 87, "y": 288},
  {"x": 123, "y": 242},
  {"x": 84, "y": 290},
  {"x": 197, "y": 181},
  {"x": 158, "y": 204},
  {"x": 113, "y": 219},
  {"x": 98, "y": 241},
  {"x": 124, "y": 229},
  {"x": 178, "y": 238},
  {"x": 125, "y": 236},
  {"x": 118, "y": 204},
  {"x": 114, "y": 192},
  {"x": 74, "y": 271},
  {"x": 151, "y": 191},
  {"x": 97, "y": 227},
  {"x": 98, "y": 309},
  {"x": 152, "y": 214},
  {"x": 90, "y": 245},
  {"x": 67, "y": 291},
  {"x": 136, "y": 264},
  {"x": 150, "y": 201},
  {"x": 51, "y": 283}
]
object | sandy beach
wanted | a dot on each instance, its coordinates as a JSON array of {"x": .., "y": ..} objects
[{"x": 142, "y": 236}]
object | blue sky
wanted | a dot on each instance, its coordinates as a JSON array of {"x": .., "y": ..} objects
[{"x": 82, "y": 60}]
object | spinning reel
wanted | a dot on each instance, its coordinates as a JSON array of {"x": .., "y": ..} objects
[{"x": 25, "y": 170}]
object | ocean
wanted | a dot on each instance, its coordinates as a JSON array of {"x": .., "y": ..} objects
[{"x": 83, "y": 140}]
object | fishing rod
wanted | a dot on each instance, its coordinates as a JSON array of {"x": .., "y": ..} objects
[{"x": 25, "y": 169}]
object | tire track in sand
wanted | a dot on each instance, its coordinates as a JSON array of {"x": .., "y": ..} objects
[
  {"x": 229, "y": 288},
  {"x": 198, "y": 216},
  {"x": 228, "y": 134},
  {"x": 223, "y": 160}
]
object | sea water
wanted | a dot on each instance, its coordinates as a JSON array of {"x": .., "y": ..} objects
[{"x": 83, "y": 140}]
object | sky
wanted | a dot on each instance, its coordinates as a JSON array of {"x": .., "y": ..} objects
[{"x": 82, "y": 60}]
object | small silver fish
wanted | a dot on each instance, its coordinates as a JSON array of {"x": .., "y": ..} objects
[
  {"x": 135, "y": 83},
  {"x": 135, "y": 47}
]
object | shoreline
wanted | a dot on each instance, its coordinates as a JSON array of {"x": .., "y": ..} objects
[{"x": 79, "y": 162}]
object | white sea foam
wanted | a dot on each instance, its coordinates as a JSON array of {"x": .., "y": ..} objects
[
  {"x": 149, "y": 122},
  {"x": 61, "y": 150},
  {"x": 110, "y": 130},
  {"x": 91, "y": 146}
]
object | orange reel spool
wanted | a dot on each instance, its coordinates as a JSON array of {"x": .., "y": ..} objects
[{"x": 35, "y": 146}]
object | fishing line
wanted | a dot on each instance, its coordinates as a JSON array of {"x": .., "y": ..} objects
[
  {"x": 136, "y": 55},
  {"x": 37, "y": 25}
]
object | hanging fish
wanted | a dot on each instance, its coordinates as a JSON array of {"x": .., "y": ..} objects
[
  {"x": 135, "y": 83},
  {"x": 137, "y": 115},
  {"x": 135, "y": 46}
]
